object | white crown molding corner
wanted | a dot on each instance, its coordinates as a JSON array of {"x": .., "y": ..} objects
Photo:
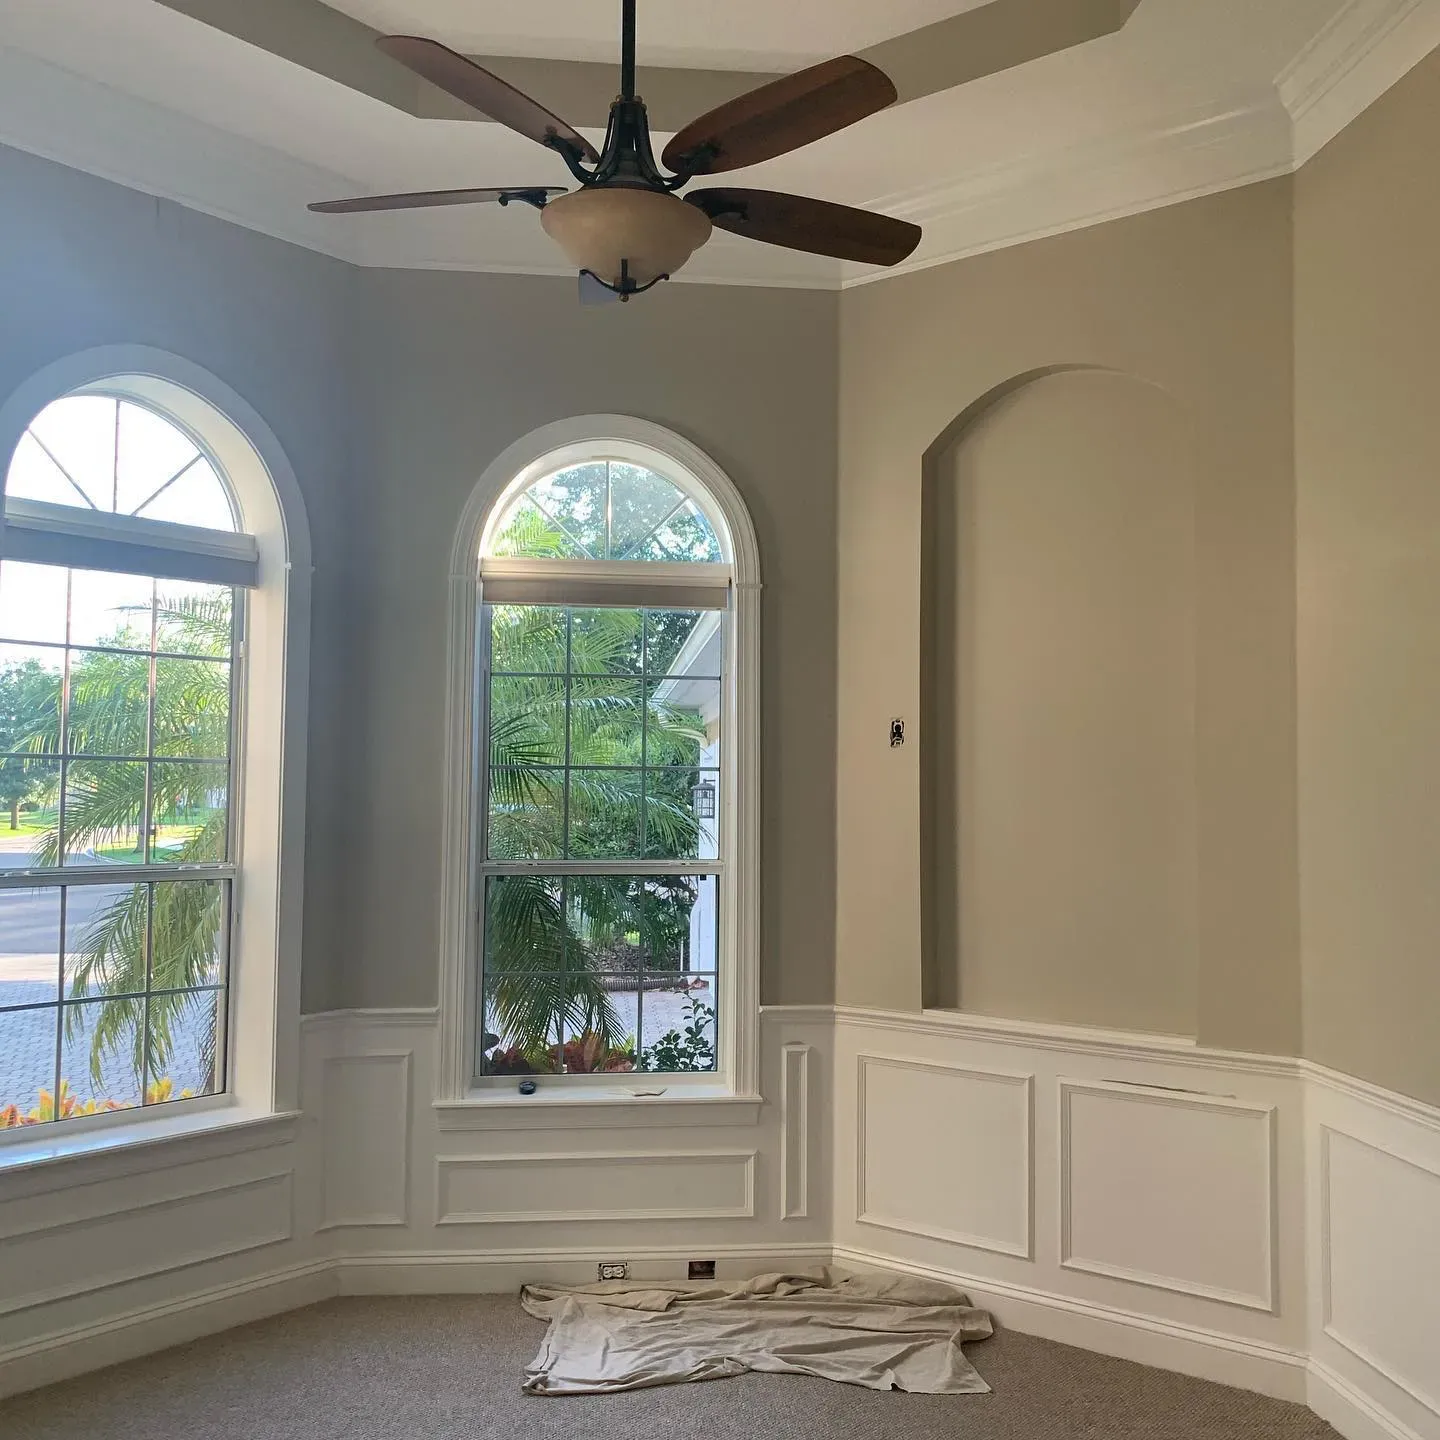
[
  {"x": 1164, "y": 162},
  {"x": 1366, "y": 47}
]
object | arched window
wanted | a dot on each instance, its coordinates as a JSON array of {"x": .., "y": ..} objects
[
  {"x": 613, "y": 833},
  {"x": 132, "y": 720}
]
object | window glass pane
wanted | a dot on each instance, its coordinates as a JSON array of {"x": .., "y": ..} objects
[
  {"x": 527, "y": 721},
  {"x": 604, "y": 814},
  {"x": 525, "y": 928},
  {"x": 150, "y": 454},
  {"x": 106, "y": 940},
  {"x": 109, "y": 609},
  {"x": 684, "y": 642},
  {"x": 640, "y": 501},
  {"x": 101, "y": 1055},
  {"x": 33, "y": 799},
  {"x": 687, "y": 537},
  {"x": 189, "y": 812},
  {"x": 29, "y": 950},
  {"x": 34, "y": 475},
  {"x": 32, "y": 602},
  {"x": 192, "y": 708},
  {"x": 677, "y": 1031},
  {"x": 606, "y": 641},
  {"x": 94, "y": 452},
  {"x": 194, "y": 619},
  {"x": 681, "y": 925},
  {"x": 527, "y": 814},
  {"x": 27, "y": 1066},
  {"x": 189, "y": 925},
  {"x": 682, "y": 722},
  {"x": 605, "y": 721},
  {"x": 574, "y": 503},
  {"x": 30, "y": 688},
  {"x": 109, "y": 710},
  {"x": 78, "y": 433},
  {"x": 104, "y": 812},
  {"x": 194, "y": 498},
  {"x": 187, "y": 1050},
  {"x": 527, "y": 639}
]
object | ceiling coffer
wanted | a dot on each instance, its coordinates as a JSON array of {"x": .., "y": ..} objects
[{"x": 625, "y": 228}]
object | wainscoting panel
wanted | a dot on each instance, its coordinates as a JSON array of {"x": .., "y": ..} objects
[
  {"x": 645, "y": 1185},
  {"x": 181, "y": 1227},
  {"x": 365, "y": 1139},
  {"x": 1169, "y": 1190},
  {"x": 945, "y": 1152},
  {"x": 795, "y": 1131},
  {"x": 1374, "y": 1182}
]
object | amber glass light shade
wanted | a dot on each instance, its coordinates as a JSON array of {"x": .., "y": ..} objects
[{"x": 597, "y": 229}]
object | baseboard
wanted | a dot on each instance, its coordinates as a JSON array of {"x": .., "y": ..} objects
[
  {"x": 1128, "y": 1335},
  {"x": 472, "y": 1272},
  {"x": 1353, "y": 1413},
  {"x": 67, "y": 1353}
]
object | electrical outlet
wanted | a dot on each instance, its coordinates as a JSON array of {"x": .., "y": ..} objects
[
  {"x": 702, "y": 1269},
  {"x": 614, "y": 1269}
]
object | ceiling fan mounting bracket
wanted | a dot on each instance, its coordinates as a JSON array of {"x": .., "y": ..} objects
[{"x": 538, "y": 198}]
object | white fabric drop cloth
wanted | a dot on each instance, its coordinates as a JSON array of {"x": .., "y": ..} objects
[{"x": 886, "y": 1332}]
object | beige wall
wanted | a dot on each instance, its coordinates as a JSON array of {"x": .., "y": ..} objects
[
  {"x": 1058, "y": 683},
  {"x": 1196, "y": 300},
  {"x": 1367, "y": 415}
]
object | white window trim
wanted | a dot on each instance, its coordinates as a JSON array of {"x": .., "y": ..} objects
[
  {"x": 264, "y": 986},
  {"x": 620, "y": 437}
]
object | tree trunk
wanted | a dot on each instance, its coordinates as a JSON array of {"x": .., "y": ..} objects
[{"x": 14, "y": 814}]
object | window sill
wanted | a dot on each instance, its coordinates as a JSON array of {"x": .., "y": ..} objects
[
  {"x": 609, "y": 1108},
  {"x": 58, "y": 1160}
]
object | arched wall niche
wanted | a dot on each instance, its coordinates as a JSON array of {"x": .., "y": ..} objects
[{"x": 1058, "y": 703}]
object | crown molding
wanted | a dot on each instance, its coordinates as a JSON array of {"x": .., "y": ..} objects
[
  {"x": 1168, "y": 160},
  {"x": 1366, "y": 48},
  {"x": 1158, "y": 161}
]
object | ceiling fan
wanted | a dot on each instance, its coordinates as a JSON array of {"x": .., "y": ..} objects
[{"x": 625, "y": 229}]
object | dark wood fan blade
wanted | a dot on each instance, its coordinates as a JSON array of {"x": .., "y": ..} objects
[
  {"x": 800, "y": 223},
  {"x": 427, "y": 199},
  {"x": 481, "y": 90},
  {"x": 781, "y": 117}
]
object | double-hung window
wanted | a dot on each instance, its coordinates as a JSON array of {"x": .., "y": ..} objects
[
  {"x": 607, "y": 877},
  {"x": 123, "y": 598}
]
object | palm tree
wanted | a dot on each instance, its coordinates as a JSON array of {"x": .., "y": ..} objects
[{"x": 188, "y": 733}]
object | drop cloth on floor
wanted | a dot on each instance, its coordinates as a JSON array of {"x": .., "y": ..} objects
[{"x": 886, "y": 1332}]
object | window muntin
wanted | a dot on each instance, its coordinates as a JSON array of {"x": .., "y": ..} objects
[
  {"x": 606, "y": 510},
  {"x": 118, "y": 694},
  {"x": 601, "y": 838}
]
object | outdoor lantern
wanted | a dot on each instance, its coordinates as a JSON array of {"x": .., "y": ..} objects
[{"x": 704, "y": 799}]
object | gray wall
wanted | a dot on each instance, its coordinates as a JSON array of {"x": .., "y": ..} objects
[
  {"x": 460, "y": 366},
  {"x": 391, "y": 392}
]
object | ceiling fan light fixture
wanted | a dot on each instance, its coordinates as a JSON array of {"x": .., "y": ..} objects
[{"x": 623, "y": 233}]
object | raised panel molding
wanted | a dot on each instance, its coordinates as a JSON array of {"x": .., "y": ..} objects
[
  {"x": 1179, "y": 1195},
  {"x": 795, "y": 1131},
  {"x": 521, "y": 1189},
  {"x": 365, "y": 1107},
  {"x": 147, "y": 1237},
  {"x": 980, "y": 1170},
  {"x": 1389, "y": 1253}
]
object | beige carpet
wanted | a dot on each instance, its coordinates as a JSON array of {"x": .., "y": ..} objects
[{"x": 448, "y": 1368}]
